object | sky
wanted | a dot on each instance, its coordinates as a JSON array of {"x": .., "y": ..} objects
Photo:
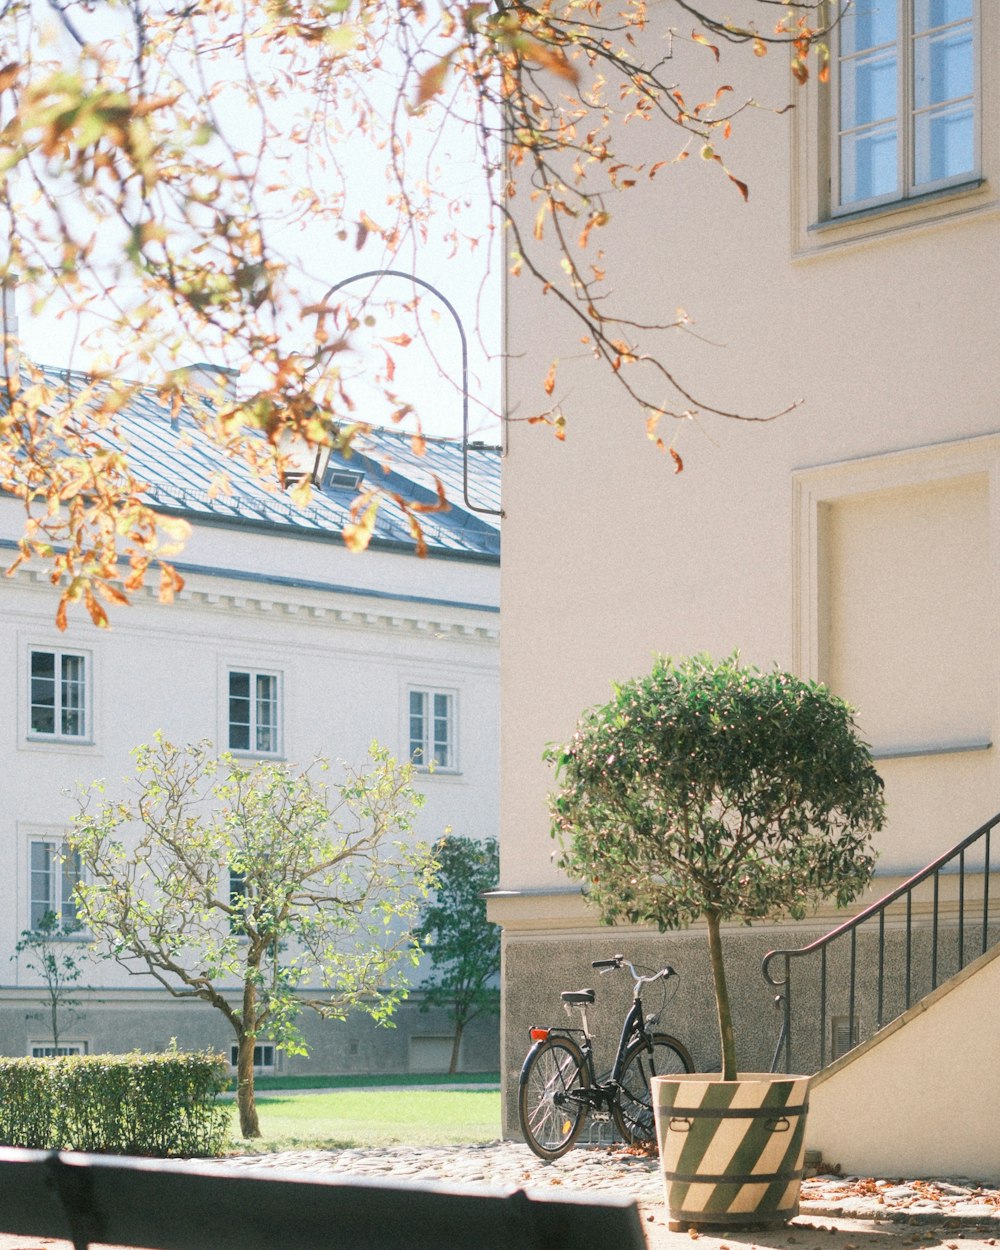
[{"x": 428, "y": 373}]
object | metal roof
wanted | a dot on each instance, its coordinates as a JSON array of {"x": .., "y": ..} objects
[{"x": 169, "y": 449}]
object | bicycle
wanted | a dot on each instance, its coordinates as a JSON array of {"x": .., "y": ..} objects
[{"x": 559, "y": 1089}]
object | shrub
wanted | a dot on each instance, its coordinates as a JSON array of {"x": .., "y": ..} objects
[
  {"x": 711, "y": 790},
  {"x": 159, "y": 1105}
]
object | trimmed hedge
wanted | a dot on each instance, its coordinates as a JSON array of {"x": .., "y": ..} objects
[{"x": 157, "y": 1105}]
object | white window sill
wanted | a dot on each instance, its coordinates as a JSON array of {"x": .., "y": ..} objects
[
  {"x": 895, "y": 217},
  {"x": 889, "y": 208},
  {"x": 60, "y": 740}
]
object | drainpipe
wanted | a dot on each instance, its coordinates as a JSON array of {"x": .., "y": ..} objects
[{"x": 9, "y": 331}]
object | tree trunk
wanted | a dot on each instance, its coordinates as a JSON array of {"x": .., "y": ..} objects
[
  {"x": 456, "y": 1046},
  {"x": 245, "y": 1100},
  {"x": 726, "y": 1037}
]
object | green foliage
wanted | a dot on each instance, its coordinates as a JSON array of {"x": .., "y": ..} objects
[
  {"x": 464, "y": 946},
  {"x": 217, "y": 872},
  {"x": 711, "y": 790},
  {"x": 158, "y": 1105},
  {"x": 47, "y": 953}
]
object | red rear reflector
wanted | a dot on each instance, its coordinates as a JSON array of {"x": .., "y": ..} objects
[{"x": 539, "y": 1035}]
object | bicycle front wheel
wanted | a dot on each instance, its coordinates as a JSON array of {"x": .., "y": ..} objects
[
  {"x": 549, "y": 1108},
  {"x": 634, "y": 1104}
]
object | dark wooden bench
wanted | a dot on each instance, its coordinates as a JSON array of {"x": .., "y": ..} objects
[{"x": 160, "y": 1205}]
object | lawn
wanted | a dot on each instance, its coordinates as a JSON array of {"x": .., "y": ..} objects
[{"x": 373, "y": 1117}]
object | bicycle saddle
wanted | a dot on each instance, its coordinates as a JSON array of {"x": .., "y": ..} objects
[{"x": 578, "y": 997}]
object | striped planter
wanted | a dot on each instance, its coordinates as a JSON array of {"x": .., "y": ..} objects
[{"x": 731, "y": 1151}]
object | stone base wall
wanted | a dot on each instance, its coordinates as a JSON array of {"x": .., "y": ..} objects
[{"x": 536, "y": 968}]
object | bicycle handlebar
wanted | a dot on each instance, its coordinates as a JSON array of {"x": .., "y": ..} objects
[{"x": 619, "y": 961}]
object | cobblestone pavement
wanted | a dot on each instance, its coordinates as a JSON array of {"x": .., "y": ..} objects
[
  {"x": 838, "y": 1212},
  {"x": 511, "y": 1164}
]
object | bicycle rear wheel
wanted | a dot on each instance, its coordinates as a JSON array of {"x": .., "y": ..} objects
[
  {"x": 551, "y": 1117},
  {"x": 634, "y": 1105}
]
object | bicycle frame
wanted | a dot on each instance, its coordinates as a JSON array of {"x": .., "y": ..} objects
[{"x": 600, "y": 1092}]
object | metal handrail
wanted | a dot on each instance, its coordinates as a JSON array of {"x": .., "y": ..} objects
[{"x": 877, "y": 910}]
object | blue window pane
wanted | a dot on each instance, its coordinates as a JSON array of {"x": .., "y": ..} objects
[
  {"x": 945, "y": 144},
  {"x": 70, "y": 879},
  {"x": 868, "y": 24},
  {"x": 418, "y": 704},
  {"x": 42, "y": 882},
  {"x": 267, "y": 713},
  {"x": 868, "y": 90},
  {"x": 72, "y": 694},
  {"x": 239, "y": 711},
  {"x": 942, "y": 67},
  {"x": 442, "y": 730},
  {"x": 930, "y": 13},
  {"x": 868, "y": 165}
]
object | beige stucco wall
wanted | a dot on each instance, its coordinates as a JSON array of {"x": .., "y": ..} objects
[
  {"x": 884, "y": 328},
  {"x": 928, "y": 1081}
]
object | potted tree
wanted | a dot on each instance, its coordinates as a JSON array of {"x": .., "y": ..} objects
[{"x": 711, "y": 791}]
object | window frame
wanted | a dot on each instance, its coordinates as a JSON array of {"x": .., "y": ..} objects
[
  {"x": 907, "y": 189},
  {"x": 262, "y": 1068},
  {"x": 57, "y": 899},
  {"x": 65, "y": 1048},
  {"x": 59, "y": 654},
  {"x": 430, "y": 692},
  {"x": 254, "y": 673}
]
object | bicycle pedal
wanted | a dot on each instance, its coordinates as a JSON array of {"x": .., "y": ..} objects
[{"x": 602, "y": 1117}]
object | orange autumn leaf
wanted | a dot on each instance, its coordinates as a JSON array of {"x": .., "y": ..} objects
[
  {"x": 702, "y": 40},
  {"x": 431, "y": 81},
  {"x": 550, "y": 58},
  {"x": 358, "y": 534}
]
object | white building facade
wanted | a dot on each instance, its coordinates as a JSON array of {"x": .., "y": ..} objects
[
  {"x": 283, "y": 645},
  {"x": 853, "y": 540}
]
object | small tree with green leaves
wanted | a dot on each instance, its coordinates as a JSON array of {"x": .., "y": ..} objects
[
  {"x": 45, "y": 951},
  {"x": 257, "y": 888},
  {"x": 711, "y": 790},
  {"x": 464, "y": 946}
]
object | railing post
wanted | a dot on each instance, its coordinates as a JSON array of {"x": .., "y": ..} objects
[
  {"x": 788, "y": 1013},
  {"x": 909, "y": 943},
  {"x": 934, "y": 933},
  {"x": 822, "y": 1009},
  {"x": 851, "y": 999},
  {"x": 961, "y": 911},
  {"x": 881, "y": 968},
  {"x": 986, "y": 889}
]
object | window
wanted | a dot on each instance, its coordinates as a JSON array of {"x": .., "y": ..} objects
[
  {"x": 45, "y": 1050},
  {"x": 237, "y": 900},
  {"x": 58, "y": 694},
  {"x": 432, "y": 728},
  {"x": 907, "y": 100},
  {"x": 263, "y": 1056},
  {"x": 844, "y": 1035},
  {"x": 253, "y": 712},
  {"x": 54, "y": 872}
]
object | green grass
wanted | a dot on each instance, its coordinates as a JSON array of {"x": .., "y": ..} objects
[{"x": 373, "y": 1117}]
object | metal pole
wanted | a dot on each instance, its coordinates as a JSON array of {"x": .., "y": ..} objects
[{"x": 412, "y": 277}]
